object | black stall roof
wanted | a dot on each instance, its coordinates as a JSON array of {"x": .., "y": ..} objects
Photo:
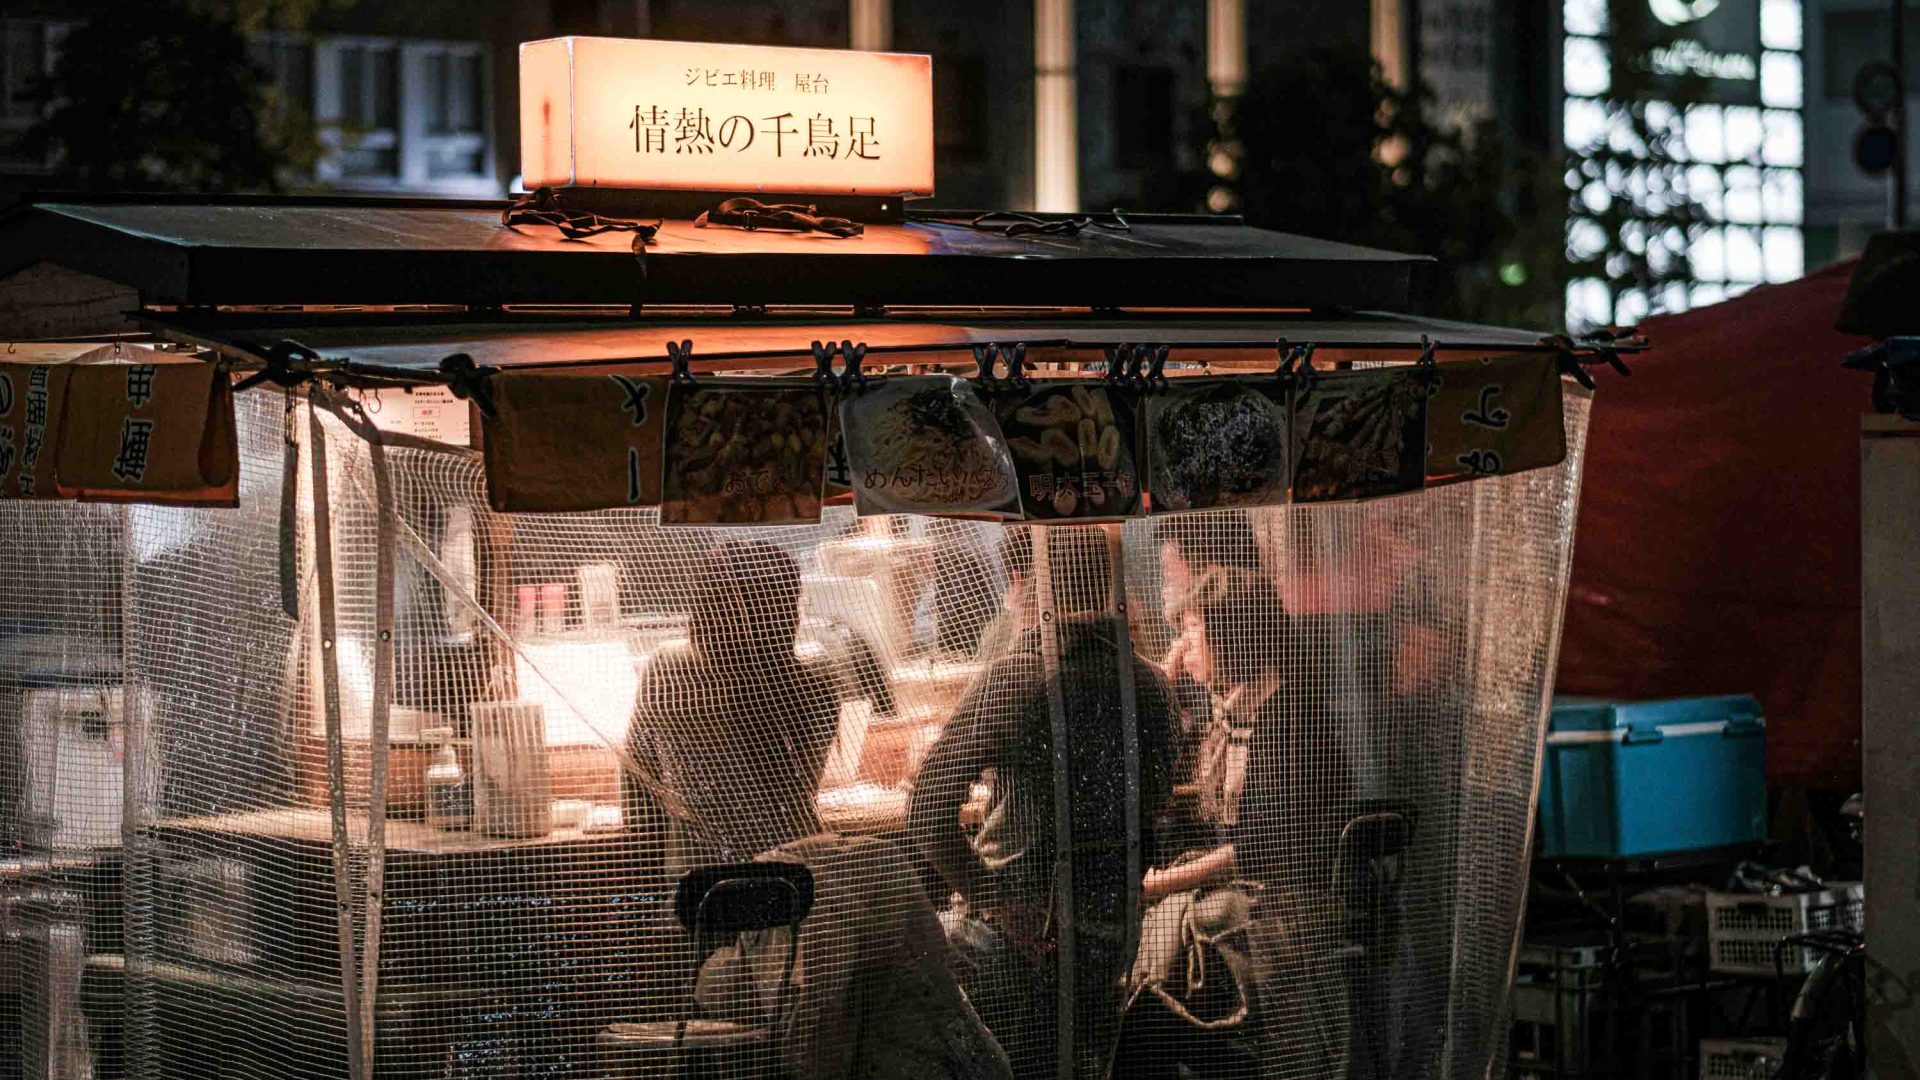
[
  {"x": 309, "y": 251},
  {"x": 419, "y": 343}
]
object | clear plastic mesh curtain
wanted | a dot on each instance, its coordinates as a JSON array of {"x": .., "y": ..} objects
[
  {"x": 62, "y": 711},
  {"x": 1244, "y": 794}
]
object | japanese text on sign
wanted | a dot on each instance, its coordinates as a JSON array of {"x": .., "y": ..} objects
[
  {"x": 694, "y": 131},
  {"x": 687, "y": 116}
]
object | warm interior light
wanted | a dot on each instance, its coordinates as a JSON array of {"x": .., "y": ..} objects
[{"x": 687, "y": 116}]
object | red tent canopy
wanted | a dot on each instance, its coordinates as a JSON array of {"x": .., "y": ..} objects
[{"x": 1718, "y": 548}]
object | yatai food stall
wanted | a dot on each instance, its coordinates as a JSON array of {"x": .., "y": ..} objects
[{"x": 553, "y": 639}]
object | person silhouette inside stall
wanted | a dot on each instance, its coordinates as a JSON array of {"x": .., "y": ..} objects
[
  {"x": 1270, "y": 781},
  {"x": 736, "y": 730},
  {"x": 735, "y": 724},
  {"x": 1006, "y": 921}
]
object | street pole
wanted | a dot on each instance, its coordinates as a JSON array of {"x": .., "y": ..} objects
[{"x": 1897, "y": 208}]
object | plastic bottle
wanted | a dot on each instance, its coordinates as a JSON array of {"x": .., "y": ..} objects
[{"x": 449, "y": 790}]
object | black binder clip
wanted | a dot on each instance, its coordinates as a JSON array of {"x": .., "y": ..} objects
[
  {"x": 988, "y": 359},
  {"x": 852, "y": 379},
  {"x": 1296, "y": 368},
  {"x": 1428, "y": 368},
  {"x": 1156, "y": 373},
  {"x": 823, "y": 353},
  {"x": 289, "y": 364},
  {"x": 468, "y": 381},
  {"x": 681, "y": 355}
]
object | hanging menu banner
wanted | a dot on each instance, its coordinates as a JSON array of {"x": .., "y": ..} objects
[
  {"x": 575, "y": 440},
  {"x": 160, "y": 432},
  {"x": 1490, "y": 417},
  {"x": 1217, "y": 443},
  {"x": 1360, "y": 434},
  {"x": 689, "y": 116},
  {"x": 927, "y": 445},
  {"x": 772, "y": 451},
  {"x": 743, "y": 453},
  {"x": 32, "y": 398},
  {"x": 1073, "y": 446}
]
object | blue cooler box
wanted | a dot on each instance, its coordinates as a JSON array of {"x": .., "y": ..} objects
[{"x": 1644, "y": 777}]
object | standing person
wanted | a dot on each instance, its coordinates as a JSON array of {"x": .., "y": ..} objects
[{"x": 1002, "y": 738}]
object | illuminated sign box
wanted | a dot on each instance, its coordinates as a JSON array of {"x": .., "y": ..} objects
[{"x": 685, "y": 116}]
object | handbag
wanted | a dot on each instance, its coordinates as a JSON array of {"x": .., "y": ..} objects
[{"x": 1192, "y": 989}]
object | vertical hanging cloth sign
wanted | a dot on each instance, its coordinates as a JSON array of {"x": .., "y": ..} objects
[
  {"x": 148, "y": 428},
  {"x": 926, "y": 444},
  {"x": 1217, "y": 443},
  {"x": 1359, "y": 434},
  {"x": 31, "y": 399},
  {"x": 1073, "y": 444},
  {"x": 744, "y": 453},
  {"x": 1498, "y": 415},
  {"x": 574, "y": 440}
]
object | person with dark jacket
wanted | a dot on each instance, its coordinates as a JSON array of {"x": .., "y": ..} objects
[
  {"x": 735, "y": 724},
  {"x": 1009, "y": 918}
]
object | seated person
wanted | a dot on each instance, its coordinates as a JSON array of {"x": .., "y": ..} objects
[
  {"x": 1002, "y": 735},
  {"x": 738, "y": 727},
  {"x": 871, "y": 994},
  {"x": 1276, "y": 778}
]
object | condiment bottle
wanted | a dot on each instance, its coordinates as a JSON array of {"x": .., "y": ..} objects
[{"x": 449, "y": 791}]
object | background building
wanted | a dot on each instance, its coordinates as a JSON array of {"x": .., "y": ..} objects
[
  {"x": 418, "y": 96},
  {"x": 1845, "y": 205},
  {"x": 1683, "y": 121},
  {"x": 1692, "y": 174}
]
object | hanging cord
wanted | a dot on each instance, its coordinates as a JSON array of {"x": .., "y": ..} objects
[
  {"x": 542, "y": 207},
  {"x": 1014, "y": 223},
  {"x": 752, "y": 214}
]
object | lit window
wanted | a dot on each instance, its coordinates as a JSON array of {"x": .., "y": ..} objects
[
  {"x": 1673, "y": 238},
  {"x": 1587, "y": 71},
  {"x": 1633, "y": 236},
  {"x": 1784, "y": 254},
  {"x": 1780, "y": 80},
  {"x": 1744, "y": 262},
  {"x": 1743, "y": 195},
  {"x": 1659, "y": 260},
  {"x": 1596, "y": 197},
  {"x": 1586, "y": 239},
  {"x": 1673, "y": 297},
  {"x": 1708, "y": 191},
  {"x": 1780, "y": 24},
  {"x": 1785, "y": 145},
  {"x": 1584, "y": 16},
  {"x": 1708, "y": 254},
  {"x": 1705, "y": 139},
  {"x": 1588, "y": 303},
  {"x": 1708, "y": 294},
  {"x": 1631, "y": 307},
  {"x": 1585, "y": 123},
  {"x": 1743, "y": 133},
  {"x": 1622, "y": 137},
  {"x": 1781, "y": 198}
]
